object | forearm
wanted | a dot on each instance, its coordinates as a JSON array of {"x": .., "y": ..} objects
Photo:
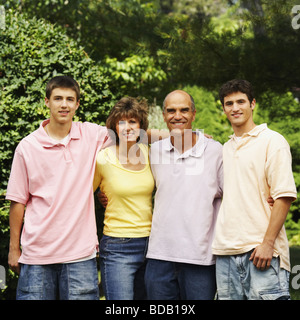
[
  {"x": 16, "y": 216},
  {"x": 279, "y": 213},
  {"x": 262, "y": 254}
]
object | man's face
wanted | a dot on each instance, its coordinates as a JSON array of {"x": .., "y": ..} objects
[
  {"x": 178, "y": 113},
  {"x": 62, "y": 104},
  {"x": 238, "y": 109}
]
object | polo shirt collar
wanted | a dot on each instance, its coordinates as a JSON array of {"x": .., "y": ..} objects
[
  {"x": 254, "y": 132},
  {"x": 45, "y": 141},
  {"x": 196, "y": 151}
]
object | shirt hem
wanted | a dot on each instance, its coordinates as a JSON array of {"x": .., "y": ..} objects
[
  {"x": 122, "y": 235},
  {"x": 180, "y": 260},
  {"x": 45, "y": 260}
]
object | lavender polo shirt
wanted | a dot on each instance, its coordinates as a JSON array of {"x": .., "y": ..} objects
[
  {"x": 55, "y": 182},
  {"x": 188, "y": 197}
]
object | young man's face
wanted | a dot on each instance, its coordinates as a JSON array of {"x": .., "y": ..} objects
[
  {"x": 238, "y": 109},
  {"x": 62, "y": 104},
  {"x": 178, "y": 113}
]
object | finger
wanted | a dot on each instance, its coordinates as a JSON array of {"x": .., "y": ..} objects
[
  {"x": 262, "y": 265},
  {"x": 15, "y": 268},
  {"x": 268, "y": 264},
  {"x": 252, "y": 254},
  {"x": 257, "y": 263}
]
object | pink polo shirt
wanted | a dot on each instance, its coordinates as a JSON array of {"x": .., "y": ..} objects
[{"x": 55, "y": 182}]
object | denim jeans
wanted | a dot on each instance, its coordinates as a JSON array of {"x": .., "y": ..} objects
[
  {"x": 167, "y": 280},
  {"x": 64, "y": 281},
  {"x": 239, "y": 279},
  {"x": 122, "y": 265}
]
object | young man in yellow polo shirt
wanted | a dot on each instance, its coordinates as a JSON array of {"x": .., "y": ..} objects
[{"x": 250, "y": 241}]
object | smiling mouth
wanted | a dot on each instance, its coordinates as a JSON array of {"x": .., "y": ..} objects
[
  {"x": 236, "y": 115},
  {"x": 178, "y": 123},
  {"x": 128, "y": 134}
]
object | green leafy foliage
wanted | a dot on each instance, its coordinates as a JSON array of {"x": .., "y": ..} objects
[{"x": 136, "y": 75}]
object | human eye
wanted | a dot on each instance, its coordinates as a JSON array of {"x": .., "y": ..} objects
[
  {"x": 185, "y": 110},
  {"x": 122, "y": 122},
  {"x": 228, "y": 104},
  {"x": 170, "y": 111}
]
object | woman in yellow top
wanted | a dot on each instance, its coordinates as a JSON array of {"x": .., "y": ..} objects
[{"x": 123, "y": 173}]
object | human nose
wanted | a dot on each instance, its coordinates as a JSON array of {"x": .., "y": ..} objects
[
  {"x": 235, "y": 106},
  {"x": 64, "y": 103},
  {"x": 177, "y": 114},
  {"x": 125, "y": 125}
]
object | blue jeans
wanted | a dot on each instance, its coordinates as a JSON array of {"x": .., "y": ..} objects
[
  {"x": 167, "y": 280},
  {"x": 122, "y": 265},
  {"x": 69, "y": 281},
  {"x": 239, "y": 279}
]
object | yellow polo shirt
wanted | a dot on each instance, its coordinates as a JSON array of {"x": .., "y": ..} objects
[
  {"x": 256, "y": 166},
  {"x": 129, "y": 210}
]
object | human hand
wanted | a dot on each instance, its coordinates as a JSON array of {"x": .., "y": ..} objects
[
  {"x": 270, "y": 201},
  {"x": 102, "y": 198},
  {"x": 262, "y": 256},
  {"x": 13, "y": 258}
]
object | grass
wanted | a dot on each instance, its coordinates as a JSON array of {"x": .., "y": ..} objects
[{"x": 295, "y": 260}]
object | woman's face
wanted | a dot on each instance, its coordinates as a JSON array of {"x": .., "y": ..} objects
[{"x": 128, "y": 129}]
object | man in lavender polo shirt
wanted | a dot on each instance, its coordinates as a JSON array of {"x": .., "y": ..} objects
[{"x": 187, "y": 168}]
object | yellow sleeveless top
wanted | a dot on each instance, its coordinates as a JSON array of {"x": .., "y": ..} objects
[{"x": 129, "y": 210}]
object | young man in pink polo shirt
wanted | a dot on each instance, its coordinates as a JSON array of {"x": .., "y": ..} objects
[{"x": 52, "y": 176}]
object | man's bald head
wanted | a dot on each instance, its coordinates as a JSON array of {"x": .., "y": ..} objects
[{"x": 179, "y": 94}]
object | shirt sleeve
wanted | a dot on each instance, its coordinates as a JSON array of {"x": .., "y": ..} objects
[
  {"x": 106, "y": 137},
  {"x": 18, "y": 185},
  {"x": 279, "y": 172}
]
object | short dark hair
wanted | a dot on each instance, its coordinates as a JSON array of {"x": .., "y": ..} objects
[
  {"x": 236, "y": 85},
  {"x": 128, "y": 107},
  {"x": 62, "y": 82}
]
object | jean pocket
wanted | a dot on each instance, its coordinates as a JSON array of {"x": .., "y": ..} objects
[{"x": 274, "y": 295}]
